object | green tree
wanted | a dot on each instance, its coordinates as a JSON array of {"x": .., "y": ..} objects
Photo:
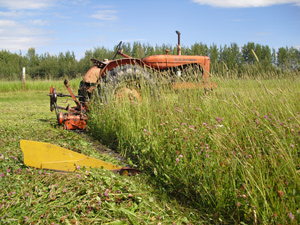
[{"x": 247, "y": 53}]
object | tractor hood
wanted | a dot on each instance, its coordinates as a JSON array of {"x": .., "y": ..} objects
[{"x": 163, "y": 62}]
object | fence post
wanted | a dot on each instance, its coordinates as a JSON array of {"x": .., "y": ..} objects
[{"x": 23, "y": 77}]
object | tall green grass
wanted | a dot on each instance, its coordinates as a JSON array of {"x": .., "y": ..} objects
[{"x": 232, "y": 153}]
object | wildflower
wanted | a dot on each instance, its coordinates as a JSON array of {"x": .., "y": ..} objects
[
  {"x": 292, "y": 146},
  {"x": 244, "y": 196},
  {"x": 180, "y": 156},
  {"x": 291, "y": 216},
  {"x": 105, "y": 194},
  {"x": 40, "y": 172},
  {"x": 204, "y": 124},
  {"x": 8, "y": 170},
  {"x": 11, "y": 193},
  {"x": 176, "y": 129},
  {"x": 177, "y": 160},
  {"x": 239, "y": 204},
  {"x": 26, "y": 218},
  {"x": 130, "y": 196},
  {"x": 266, "y": 117},
  {"x": 2, "y": 175},
  {"x": 147, "y": 212},
  {"x": 77, "y": 167},
  {"x": 145, "y": 130},
  {"x": 257, "y": 121},
  {"x": 207, "y": 156},
  {"x": 26, "y": 194},
  {"x": 250, "y": 156}
]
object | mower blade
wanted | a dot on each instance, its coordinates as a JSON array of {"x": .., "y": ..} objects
[{"x": 47, "y": 156}]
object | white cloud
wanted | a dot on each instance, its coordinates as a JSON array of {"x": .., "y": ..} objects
[
  {"x": 26, "y": 4},
  {"x": 8, "y": 14},
  {"x": 22, "y": 37},
  {"x": 105, "y": 15},
  {"x": 39, "y": 22},
  {"x": 245, "y": 3},
  {"x": 7, "y": 23}
]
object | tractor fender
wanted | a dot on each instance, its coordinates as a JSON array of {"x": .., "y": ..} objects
[
  {"x": 120, "y": 62},
  {"x": 93, "y": 76}
]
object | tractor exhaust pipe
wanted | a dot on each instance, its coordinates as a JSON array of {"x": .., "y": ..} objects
[{"x": 178, "y": 45}]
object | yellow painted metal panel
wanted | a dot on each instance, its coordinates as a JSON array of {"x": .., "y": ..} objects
[{"x": 47, "y": 156}]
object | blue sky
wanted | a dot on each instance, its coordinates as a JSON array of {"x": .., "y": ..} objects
[{"x": 60, "y": 25}]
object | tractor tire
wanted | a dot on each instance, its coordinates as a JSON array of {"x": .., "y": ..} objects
[{"x": 126, "y": 81}]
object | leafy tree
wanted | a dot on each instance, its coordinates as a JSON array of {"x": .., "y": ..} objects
[{"x": 247, "y": 53}]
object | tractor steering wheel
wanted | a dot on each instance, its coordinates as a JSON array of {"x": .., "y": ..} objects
[{"x": 117, "y": 49}]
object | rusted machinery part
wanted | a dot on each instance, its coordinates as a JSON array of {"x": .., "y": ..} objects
[
  {"x": 53, "y": 98},
  {"x": 98, "y": 63},
  {"x": 118, "y": 48},
  {"x": 75, "y": 118}
]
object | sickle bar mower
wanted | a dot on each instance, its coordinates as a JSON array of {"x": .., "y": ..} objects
[{"x": 74, "y": 118}]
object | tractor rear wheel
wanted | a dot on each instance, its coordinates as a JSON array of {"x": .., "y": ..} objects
[{"x": 127, "y": 81}]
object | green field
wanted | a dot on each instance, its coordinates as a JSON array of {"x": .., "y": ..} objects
[
  {"x": 230, "y": 156},
  {"x": 33, "y": 196}
]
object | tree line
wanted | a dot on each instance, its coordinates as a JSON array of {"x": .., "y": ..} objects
[{"x": 252, "y": 57}]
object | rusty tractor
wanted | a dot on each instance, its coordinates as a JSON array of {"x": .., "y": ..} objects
[{"x": 127, "y": 70}]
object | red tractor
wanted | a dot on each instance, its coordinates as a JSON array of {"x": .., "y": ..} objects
[{"x": 106, "y": 76}]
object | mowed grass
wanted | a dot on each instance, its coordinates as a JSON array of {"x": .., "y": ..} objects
[
  {"x": 35, "y": 196},
  {"x": 232, "y": 154},
  {"x": 34, "y": 85}
]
